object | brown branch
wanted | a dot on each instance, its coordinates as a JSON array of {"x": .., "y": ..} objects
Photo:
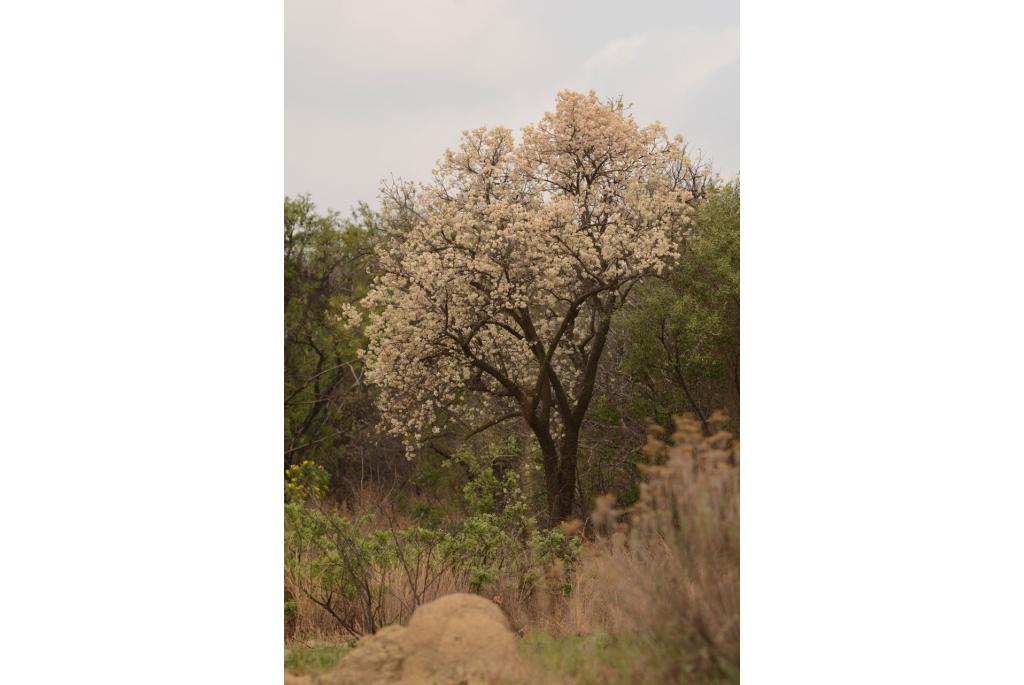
[{"x": 495, "y": 422}]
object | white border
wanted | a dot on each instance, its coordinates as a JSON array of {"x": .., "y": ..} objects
[
  {"x": 142, "y": 160},
  {"x": 881, "y": 333}
]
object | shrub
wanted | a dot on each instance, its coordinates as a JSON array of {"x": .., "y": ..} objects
[
  {"x": 510, "y": 557},
  {"x": 365, "y": 576},
  {"x": 304, "y": 481}
]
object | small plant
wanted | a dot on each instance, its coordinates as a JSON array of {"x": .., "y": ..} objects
[
  {"x": 500, "y": 537},
  {"x": 304, "y": 481}
]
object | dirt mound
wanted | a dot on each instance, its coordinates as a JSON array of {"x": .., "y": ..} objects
[
  {"x": 457, "y": 639},
  {"x": 292, "y": 679}
]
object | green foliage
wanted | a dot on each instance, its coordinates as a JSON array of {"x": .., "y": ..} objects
[
  {"x": 305, "y": 480},
  {"x": 330, "y": 552},
  {"x": 291, "y": 609},
  {"x": 345, "y": 565},
  {"x": 329, "y": 557},
  {"x": 493, "y": 485},
  {"x": 424, "y": 514},
  {"x": 682, "y": 332},
  {"x": 500, "y": 535},
  {"x": 326, "y": 265}
]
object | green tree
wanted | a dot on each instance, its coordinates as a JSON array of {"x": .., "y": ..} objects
[
  {"x": 682, "y": 332},
  {"x": 326, "y": 265}
]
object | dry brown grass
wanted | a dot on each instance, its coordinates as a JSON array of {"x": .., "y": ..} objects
[
  {"x": 667, "y": 569},
  {"x": 661, "y": 577}
]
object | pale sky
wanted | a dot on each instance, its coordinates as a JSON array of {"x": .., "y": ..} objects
[{"x": 375, "y": 88}]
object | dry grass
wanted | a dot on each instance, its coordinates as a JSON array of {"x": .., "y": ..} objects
[
  {"x": 667, "y": 570},
  {"x": 660, "y": 580}
]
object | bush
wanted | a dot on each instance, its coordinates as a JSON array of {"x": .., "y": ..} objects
[{"x": 365, "y": 576}]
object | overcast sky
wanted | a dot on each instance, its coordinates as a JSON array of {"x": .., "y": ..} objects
[{"x": 375, "y": 88}]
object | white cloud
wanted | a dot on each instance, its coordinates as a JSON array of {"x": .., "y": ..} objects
[{"x": 617, "y": 53}]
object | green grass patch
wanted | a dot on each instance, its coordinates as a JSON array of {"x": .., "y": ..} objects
[
  {"x": 579, "y": 659},
  {"x": 313, "y": 659},
  {"x": 606, "y": 660}
]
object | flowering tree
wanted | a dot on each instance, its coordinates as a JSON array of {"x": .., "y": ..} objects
[{"x": 499, "y": 278}]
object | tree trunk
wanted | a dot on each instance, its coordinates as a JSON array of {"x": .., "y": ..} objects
[
  {"x": 560, "y": 461},
  {"x": 560, "y": 480},
  {"x": 566, "y": 491},
  {"x": 551, "y": 485},
  {"x": 564, "y": 485}
]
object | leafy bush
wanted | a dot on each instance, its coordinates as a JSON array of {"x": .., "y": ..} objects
[
  {"x": 305, "y": 480},
  {"x": 500, "y": 537},
  {"x": 365, "y": 577}
]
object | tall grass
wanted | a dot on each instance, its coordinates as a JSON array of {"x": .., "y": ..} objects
[{"x": 666, "y": 571}]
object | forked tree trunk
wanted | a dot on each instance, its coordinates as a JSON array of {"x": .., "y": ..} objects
[{"x": 560, "y": 461}]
